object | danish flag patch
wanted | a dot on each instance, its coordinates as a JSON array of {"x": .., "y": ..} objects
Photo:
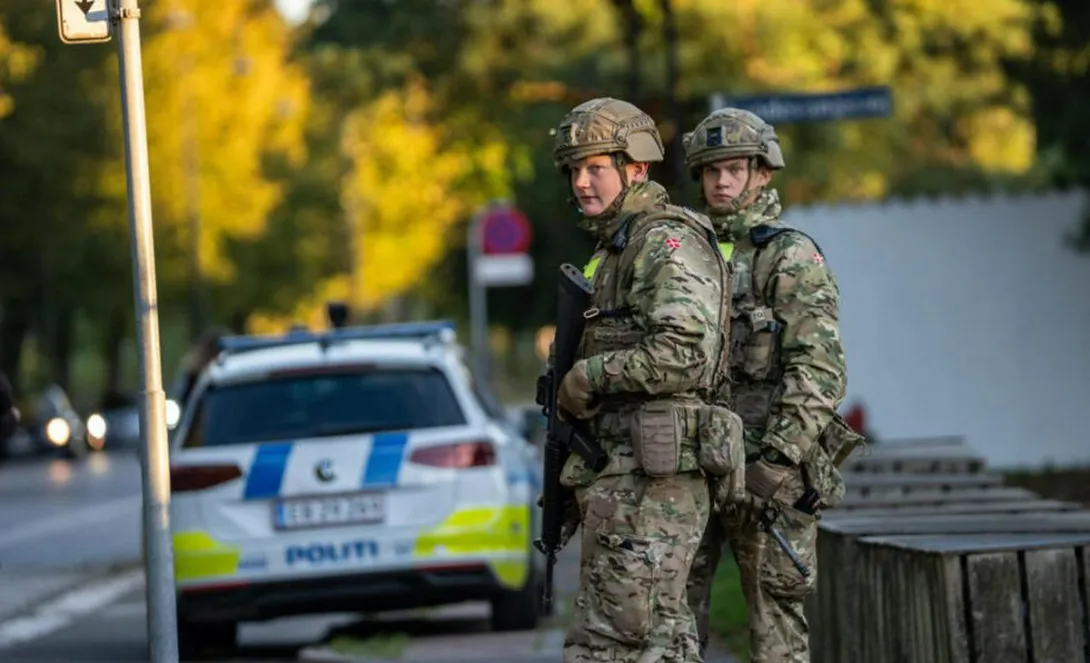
[
  {"x": 818, "y": 258},
  {"x": 673, "y": 243}
]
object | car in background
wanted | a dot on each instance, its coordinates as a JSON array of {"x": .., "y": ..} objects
[
  {"x": 54, "y": 425},
  {"x": 119, "y": 427},
  {"x": 356, "y": 470}
]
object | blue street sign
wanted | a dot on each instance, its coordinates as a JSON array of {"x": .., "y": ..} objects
[{"x": 784, "y": 108}]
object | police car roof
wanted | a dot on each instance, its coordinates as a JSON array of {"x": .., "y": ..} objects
[{"x": 422, "y": 344}]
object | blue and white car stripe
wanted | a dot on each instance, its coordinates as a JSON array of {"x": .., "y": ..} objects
[
  {"x": 374, "y": 462},
  {"x": 267, "y": 470},
  {"x": 384, "y": 464}
]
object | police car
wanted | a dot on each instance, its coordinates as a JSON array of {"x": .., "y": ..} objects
[{"x": 356, "y": 470}]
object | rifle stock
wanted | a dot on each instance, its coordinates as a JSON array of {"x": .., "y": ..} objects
[{"x": 563, "y": 436}]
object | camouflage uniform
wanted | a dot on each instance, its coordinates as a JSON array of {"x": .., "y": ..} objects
[
  {"x": 653, "y": 349},
  {"x": 788, "y": 377}
]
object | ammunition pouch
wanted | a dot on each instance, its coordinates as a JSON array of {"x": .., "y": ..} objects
[
  {"x": 755, "y": 339},
  {"x": 664, "y": 435},
  {"x": 722, "y": 447}
]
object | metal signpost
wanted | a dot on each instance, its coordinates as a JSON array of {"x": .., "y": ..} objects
[
  {"x": 498, "y": 238},
  {"x": 89, "y": 21},
  {"x": 876, "y": 101}
]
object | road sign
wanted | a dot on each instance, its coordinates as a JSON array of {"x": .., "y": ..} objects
[
  {"x": 83, "y": 21},
  {"x": 785, "y": 108},
  {"x": 504, "y": 269},
  {"x": 506, "y": 230}
]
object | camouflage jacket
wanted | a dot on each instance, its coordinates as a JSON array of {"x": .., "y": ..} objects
[
  {"x": 787, "y": 362},
  {"x": 657, "y": 327}
]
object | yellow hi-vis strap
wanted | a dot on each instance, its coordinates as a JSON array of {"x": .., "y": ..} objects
[
  {"x": 591, "y": 267},
  {"x": 726, "y": 248}
]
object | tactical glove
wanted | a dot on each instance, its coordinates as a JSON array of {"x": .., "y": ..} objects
[
  {"x": 576, "y": 394},
  {"x": 572, "y": 517},
  {"x": 763, "y": 481}
]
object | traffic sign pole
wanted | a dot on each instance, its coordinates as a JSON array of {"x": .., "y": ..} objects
[
  {"x": 478, "y": 297},
  {"x": 158, "y": 558},
  {"x": 496, "y": 244}
]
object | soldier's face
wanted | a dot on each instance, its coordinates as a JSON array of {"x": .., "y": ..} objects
[
  {"x": 596, "y": 182},
  {"x": 725, "y": 180}
]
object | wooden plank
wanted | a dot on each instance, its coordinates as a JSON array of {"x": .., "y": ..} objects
[
  {"x": 926, "y": 456},
  {"x": 857, "y": 481},
  {"x": 933, "y": 497},
  {"x": 952, "y": 627},
  {"x": 995, "y": 605},
  {"x": 961, "y": 543},
  {"x": 1018, "y": 506},
  {"x": 910, "y": 598},
  {"x": 1068, "y": 522},
  {"x": 1052, "y": 584},
  {"x": 925, "y": 465},
  {"x": 898, "y": 617},
  {"x": 915, "y": 444},
  {"x": 1082, "y": 556},
  {"x": 833, "y": 605}
]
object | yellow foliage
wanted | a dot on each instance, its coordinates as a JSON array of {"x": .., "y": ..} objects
[
  {"x": 408, "y": 188},
  {"x": 221, "y": 95},
  {"x": 16, "y": 62},
  {"x": 910, "y": 45}
]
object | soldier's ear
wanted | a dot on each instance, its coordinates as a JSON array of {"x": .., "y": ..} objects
[
  {"x": 762, "y": 176},
  {"x": 637, "y": 172}
]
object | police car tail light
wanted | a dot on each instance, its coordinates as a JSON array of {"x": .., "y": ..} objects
[
  {"x": 461, "y": 455},
  {"x": 185, "y": 478}
]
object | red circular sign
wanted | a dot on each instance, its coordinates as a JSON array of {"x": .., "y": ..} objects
[{"x": 506, "y": 230}]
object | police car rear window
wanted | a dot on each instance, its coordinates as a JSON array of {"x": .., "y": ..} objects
[{"x": 323, "y": 405}]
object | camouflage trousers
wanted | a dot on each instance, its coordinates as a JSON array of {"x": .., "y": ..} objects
[
  {"x": 774, "y": 589},
  {"x": 639, "y": 536}
]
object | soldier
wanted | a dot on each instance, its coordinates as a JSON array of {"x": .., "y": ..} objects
[
  {"x": 787, "y": 377},
  {"x": 653, "y": 352}
]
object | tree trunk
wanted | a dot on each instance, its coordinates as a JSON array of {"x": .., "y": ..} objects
[
  {"x": 674, "y": 111},
  {"x": 60, "y": 349},
  {"x": 633, "y": 25},
  {"x": 14, "y": 325},
  {"x": 112, "y": 342}
]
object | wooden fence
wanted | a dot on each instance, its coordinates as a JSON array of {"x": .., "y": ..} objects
[{"x": 931, "y": 559}]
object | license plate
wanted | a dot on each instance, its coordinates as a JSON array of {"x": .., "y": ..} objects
[{"x": 359, "y": 509}]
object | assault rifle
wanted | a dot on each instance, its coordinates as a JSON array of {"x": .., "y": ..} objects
[{"x": 568, "y": 435}]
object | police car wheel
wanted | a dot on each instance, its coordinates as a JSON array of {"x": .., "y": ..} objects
[
  {"x": 200, "y": 639},
  {"x": 518, "y": 610}
]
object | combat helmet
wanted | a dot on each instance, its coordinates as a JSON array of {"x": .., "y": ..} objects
[
  {"x": 729, "y": 133},
  {"x": 606, "y": 126}
]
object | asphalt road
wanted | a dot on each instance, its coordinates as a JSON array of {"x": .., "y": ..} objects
[
  {"x": 61, "y": 518},
  {"x": 78, "y": 522},
  {"x": 60, "y": 513}
]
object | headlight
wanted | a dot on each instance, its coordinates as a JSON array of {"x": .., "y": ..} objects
[
  {"x": 57, "y": 431},
  {"x": 96, "y": 426},
  {"x": 174, "y": 413}
]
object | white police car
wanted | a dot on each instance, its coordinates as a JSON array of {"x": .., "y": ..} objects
[{"x": 358, "y": 470}]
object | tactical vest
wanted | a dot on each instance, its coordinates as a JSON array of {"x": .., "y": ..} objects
[
  {"x": 611, "y": 325},
  {"x": 755, "y": 354}
]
